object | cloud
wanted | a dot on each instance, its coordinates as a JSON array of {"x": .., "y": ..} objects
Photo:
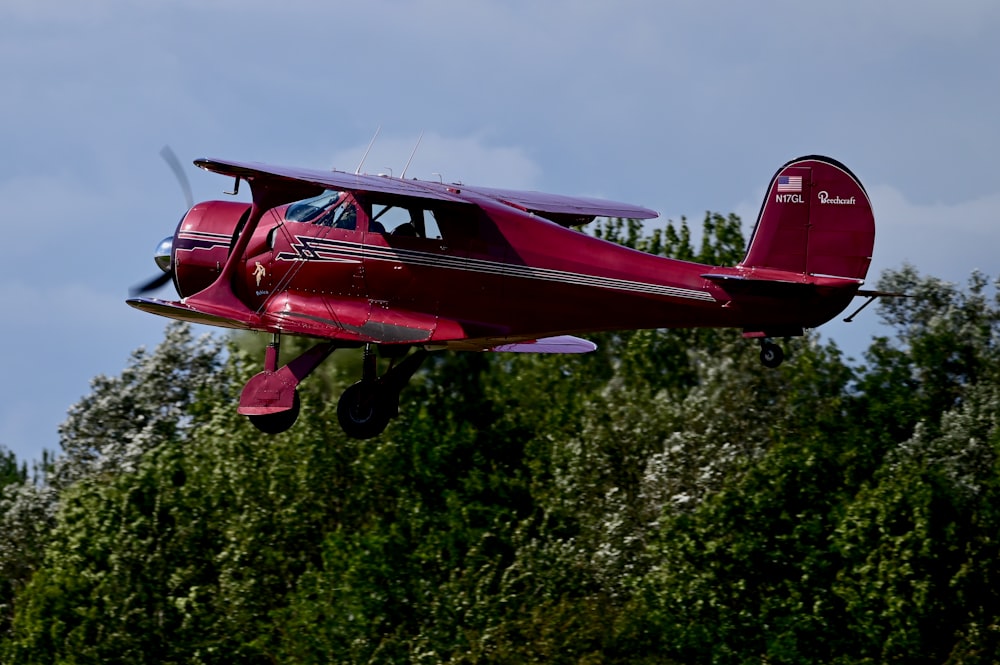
[
  {"x": 944, "y": 240},
  {"x": 472, "y": 159}
]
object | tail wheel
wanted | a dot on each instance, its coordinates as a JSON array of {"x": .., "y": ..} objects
[
  {"x": 771, "y": 354},
  {"x": 363, "y": 411},
  {"x": 276, "y": 423}
]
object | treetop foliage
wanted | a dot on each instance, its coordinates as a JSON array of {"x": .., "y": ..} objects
[{"x": 662, "y": 500}]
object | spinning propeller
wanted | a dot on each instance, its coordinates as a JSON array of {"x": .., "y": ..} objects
[{"x": 164, "y": 251}]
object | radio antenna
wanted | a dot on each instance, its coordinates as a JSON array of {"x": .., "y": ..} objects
[
  {"x": 403, "y": 174},
  {"x": 370, "y": 144}
]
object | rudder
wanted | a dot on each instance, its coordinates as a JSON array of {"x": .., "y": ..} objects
[{"x": 816, "y": 219}]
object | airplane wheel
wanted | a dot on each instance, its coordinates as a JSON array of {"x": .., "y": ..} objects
[
  {"x": 362, "y": 412},
  {"x": 771, "y": 355},
  {"x": 276, "y": 423}
]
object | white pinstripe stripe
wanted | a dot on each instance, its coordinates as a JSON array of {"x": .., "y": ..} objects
[
  {"x": 338, "y": 251},
  {"x": 203, "y": 235}
]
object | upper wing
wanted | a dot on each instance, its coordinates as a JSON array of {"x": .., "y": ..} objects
[
  {"x": 566, "y": 210},
  {"x": 251, "y": 171},
  {"x": 569, "y": 209}
]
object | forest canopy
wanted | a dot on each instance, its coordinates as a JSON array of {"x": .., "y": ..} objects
[{"x": 664, "y": 499}]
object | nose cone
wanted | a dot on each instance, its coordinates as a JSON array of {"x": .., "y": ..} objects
[{"x": 163, "y": 253}]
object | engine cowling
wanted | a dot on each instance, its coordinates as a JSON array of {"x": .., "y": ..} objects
[{"x": 202, "y": 243}]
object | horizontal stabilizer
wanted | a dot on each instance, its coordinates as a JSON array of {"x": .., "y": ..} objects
[
  {"x": 777, "y": 283},
  {"x": 872, "y": 296},
  {"x": 869, "y": 293},
  {"x": 743, "y": 279}
]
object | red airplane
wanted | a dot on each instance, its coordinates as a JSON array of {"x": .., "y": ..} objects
[{"x": 394, "y": 264}]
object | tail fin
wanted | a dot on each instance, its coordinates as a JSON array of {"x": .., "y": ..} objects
[{"x": 816, "y": 219}]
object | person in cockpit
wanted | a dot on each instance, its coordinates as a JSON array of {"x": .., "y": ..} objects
[{"x": 348, "y": 218}]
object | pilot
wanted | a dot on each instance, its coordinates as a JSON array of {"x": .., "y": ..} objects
[
  {"x": 328, "y": 217},
  {"x": 348, "y": 219},
  {"x": 406, "y": 229},
  {"x": 410, "y": 229}
]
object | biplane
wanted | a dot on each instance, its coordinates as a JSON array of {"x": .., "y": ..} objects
[{"x": 402, "y": 267}]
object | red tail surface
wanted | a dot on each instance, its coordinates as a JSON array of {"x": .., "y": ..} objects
[{"x": 816, "y": 219}]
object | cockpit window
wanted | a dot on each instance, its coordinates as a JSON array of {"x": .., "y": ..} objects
[
  {"x": 320, "y": 209},
  {"x": 404, "y": 220}
]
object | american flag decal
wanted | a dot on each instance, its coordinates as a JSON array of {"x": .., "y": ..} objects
[{"x": 789, "y": 183}]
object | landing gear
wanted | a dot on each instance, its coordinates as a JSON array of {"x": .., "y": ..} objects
[
  {"x": 363, "y": 413},
  {"x": 278, "y": 422},
  {"x": 366, "y": 407},
  {"x": 271, "y": 401},
  {"x": 771, "y": 355}
]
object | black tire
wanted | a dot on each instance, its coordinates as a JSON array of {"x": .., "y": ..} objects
[
  {"x": 771, "y": 355},
  {"x": 276, "y": 423},
  {"x": 362, "y": 411}
]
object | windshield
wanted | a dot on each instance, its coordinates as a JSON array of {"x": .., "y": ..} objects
[{"x": 311, "y": 210}]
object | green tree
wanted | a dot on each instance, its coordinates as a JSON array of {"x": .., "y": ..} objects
[
  {"x": 14, "y": 566},
  {"x": 10, "y": 472},
  {"x": 151, "y": 401},
  {"x": 662, "y": 498},
  {"x": 920, "y": 545},
  {"x": 744, "y": 573},
  {"x": 946, "y": 340},
  {"x": 105, "y": 437}
]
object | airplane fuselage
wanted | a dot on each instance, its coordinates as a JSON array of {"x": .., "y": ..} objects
[{"x": 505, "y": 274}]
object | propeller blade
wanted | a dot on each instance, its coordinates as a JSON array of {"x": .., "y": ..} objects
[
  {"x": 151, "y": 285},
  {"x": 164, "y": 252},
  {"x": 175, "y": 165}
]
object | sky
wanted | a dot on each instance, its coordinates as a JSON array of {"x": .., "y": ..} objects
[{"x": 680, "y": 106}]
